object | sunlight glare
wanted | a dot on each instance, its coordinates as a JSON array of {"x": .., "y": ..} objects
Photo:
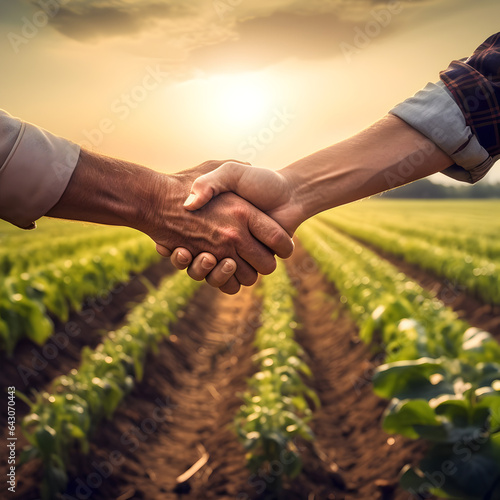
[{"x": 243, "y": 101}]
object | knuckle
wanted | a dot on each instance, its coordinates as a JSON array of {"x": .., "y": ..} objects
[
  {"x": 275, "y": 237},
  {"x": 239, "y": 210},
  {"x": 231, "y": 236}
]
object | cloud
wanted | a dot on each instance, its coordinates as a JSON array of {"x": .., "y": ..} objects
[
  {"x": 218, "y": 34},
  {"x": 263, "y": 41},
  {"x": 92, "y": 20}
]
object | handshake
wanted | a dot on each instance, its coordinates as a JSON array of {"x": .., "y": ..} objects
[{"x": 226, "y": 222}]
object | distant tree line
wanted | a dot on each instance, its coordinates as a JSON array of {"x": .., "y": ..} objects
[{"x": 425, "y": 188}]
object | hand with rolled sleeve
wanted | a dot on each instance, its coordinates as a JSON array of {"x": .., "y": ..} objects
[
  {"x": 452, "y": 127},
  {"x": 42, "y": 174}
]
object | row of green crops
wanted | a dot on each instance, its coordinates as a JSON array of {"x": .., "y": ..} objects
[
  {"x": 277, "y": 404},
  {"x": 57, "y": 287},
  {"x": 472, "y": 262},
  {"x": 469, "y": 226},
  {"x": 17, "y": 258},
  {"x": 442, "y": 376},
  {"x": 61, "y": 423}
]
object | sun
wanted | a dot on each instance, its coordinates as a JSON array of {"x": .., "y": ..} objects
[{"x": 243, "y": 100}]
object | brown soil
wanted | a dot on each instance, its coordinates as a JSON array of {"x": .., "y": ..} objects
[{"x": 182, "y": 410}]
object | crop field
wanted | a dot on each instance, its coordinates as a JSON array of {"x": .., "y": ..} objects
[{"x": 367, "y": 367}]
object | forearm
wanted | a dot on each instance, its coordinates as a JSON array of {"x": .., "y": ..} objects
[
  {"x": 388, "y": 154},
  {"x": 109, "y": 191}
]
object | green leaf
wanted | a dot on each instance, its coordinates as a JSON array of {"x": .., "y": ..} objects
[
  {"x": 414, "y": 481},
  {"x": 411, "y": 379},
  {"x": 293, "y": 464},
  {"x": 402, "y": 417},
  {"x": 462, "y": 470},
  {"x": 46, "y": 440},
  {"x": 55, "y": 480},
  {"x": 457, "y": 411}
]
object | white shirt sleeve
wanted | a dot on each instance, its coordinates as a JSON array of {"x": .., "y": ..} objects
[
  {"x": 434, "y": 113},
  {"x": 35, "y": 169}
]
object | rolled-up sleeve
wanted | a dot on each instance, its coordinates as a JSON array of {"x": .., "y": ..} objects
[
  {"x": 35, "y": 169},
  {"x": 434, "y": 113},
  {"x": 461, "y": 113}
]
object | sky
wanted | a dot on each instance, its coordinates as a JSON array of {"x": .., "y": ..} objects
[{"x": 173, "y": 83}]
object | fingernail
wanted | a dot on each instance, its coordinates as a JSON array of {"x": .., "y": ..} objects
[
  {"x": 182, "y": 258},
  {"x": 206, "y": 263},
  {"x": 227, "y": 267},
  {"x": 189, "y": 200}
]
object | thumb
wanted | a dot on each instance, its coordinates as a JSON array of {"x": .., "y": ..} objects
[
  {"x": 207, "y": 186},
  {"x": 201, "y": 194}
]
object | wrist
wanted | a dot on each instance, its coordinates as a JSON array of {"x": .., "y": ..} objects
[
  {"x": 292, "y": 214},
  {"x": 160, "y": 193},
  {"x": 108, "y": 191},
  {"x": 304, "y": 194}
]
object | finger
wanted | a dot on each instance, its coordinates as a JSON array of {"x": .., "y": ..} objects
[
  {"x": 163, "y": 251},
  {"x": 223, "y": 179},
  {"x": 245, "y": 273},
  {"x": 255, "y": 256},
  {"x": 222, "y": 273},
  {"x": 271, "y": 234},
  {"x": 181, "y": 258},
  {"x": 201, "y": 266},
  {"x": 231, "y": 287}
]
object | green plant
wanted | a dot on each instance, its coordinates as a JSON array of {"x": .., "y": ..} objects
[
  {"x": 277, "y": 405},
  {"x": 55, "y": 288}
]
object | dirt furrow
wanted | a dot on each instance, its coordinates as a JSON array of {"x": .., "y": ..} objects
[{"x": 349, "y": 438}]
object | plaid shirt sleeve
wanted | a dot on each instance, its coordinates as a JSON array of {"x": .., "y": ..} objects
[
  {"x": 475, "y": 86},
  {"x": 461, "y": 113}
]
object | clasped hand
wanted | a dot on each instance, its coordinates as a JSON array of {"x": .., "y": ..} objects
[{"x": 236, "y": 217}]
